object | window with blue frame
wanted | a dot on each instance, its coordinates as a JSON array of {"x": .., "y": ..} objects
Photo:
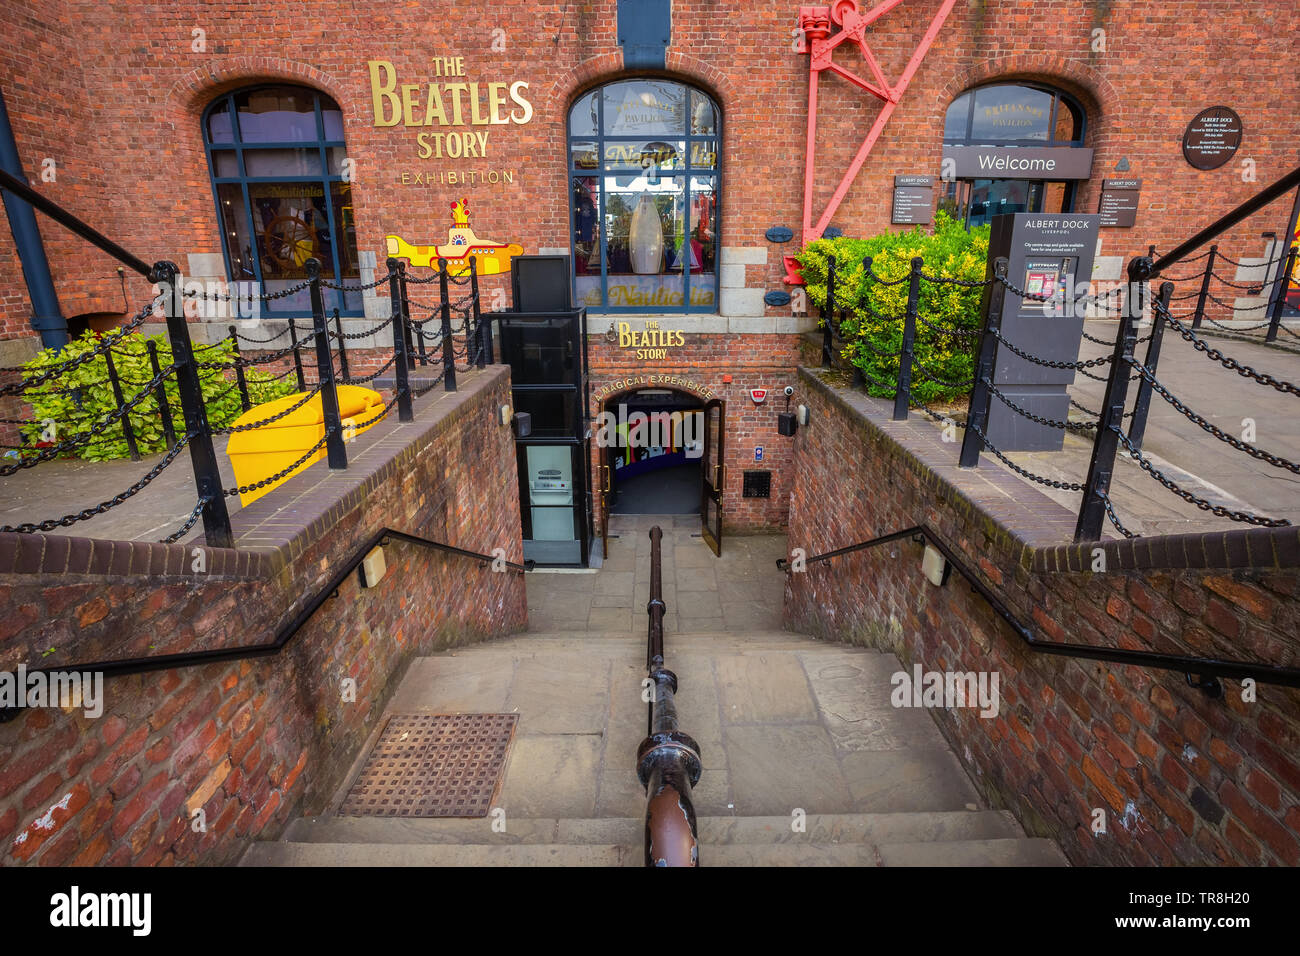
[
  {"x": 276, "y": 155},
  {"x": 644, "y": 184}
]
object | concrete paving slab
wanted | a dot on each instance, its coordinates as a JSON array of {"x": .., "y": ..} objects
[
  {"x": 918, "y": 778},
  {"x": 764, "y": 688},
  {"x": 551, "y": 775},
  {"x": 776, "y": 769},
  {"x": 562, "y": 693}
]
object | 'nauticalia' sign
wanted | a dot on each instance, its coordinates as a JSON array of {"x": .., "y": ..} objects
[{"x": 1017, "y": 162}]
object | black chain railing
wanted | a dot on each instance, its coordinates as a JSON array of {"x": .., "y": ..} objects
[
  {"x": 326, "y": 341},
  {"x": 1111, "y": 428}
]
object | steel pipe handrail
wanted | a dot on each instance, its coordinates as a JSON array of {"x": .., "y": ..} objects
[
  {"x": 1210, "y": 669},
  {"x": 668, "y": 761},
  {"x": 69, "y": 221},
  {"x": 141, "y": 665},
  {"x": 1229, "y": 219}
]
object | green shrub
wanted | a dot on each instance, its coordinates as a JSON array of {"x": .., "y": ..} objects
[
  {"x": 79, "y": 399},
  {"x": 950, "y": 252}
]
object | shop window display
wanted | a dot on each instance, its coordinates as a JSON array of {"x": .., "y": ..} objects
[
  {"x": 644, "y": 198},
  {"x": 277, "y": 159}
]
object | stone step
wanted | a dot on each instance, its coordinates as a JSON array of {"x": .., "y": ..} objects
[
  {"x": 1003, "y": 852},
  {"x": 386, "y": 854},
  {"x": 867, "y": 828},
  {"x": 672, "y": 645}
]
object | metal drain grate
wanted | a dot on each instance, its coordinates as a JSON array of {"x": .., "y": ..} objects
[{"x": 433, "y": 765}]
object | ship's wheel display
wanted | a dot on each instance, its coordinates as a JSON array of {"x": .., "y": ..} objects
[
  {"x": 290, "y": 241},
  {"x": 816, "y": 37}
]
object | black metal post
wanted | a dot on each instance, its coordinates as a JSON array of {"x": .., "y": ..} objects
[
  {"x": 668, "y": 761},
  {"x": 397, "y": 296},
  {"x": 409, "y": 331},
  {"x": 160, "y": 395},
  {"x": 1279, "y": 301},
  {"x": 343, "y": 348},
  {"x": 482, "y": 334},
  {"x": 828, "y": 316},
  {"x": 207, "y": 476},
  {"x": 448, "y": 346},
  {"x": 240, "y": 378},
  {"x": 977, "y": 412},
  {"x": 1142, "y": 404},
  {"x": 329, "y": 399},
  {"x": 1205, "y": 286},
  {"x": 1092, "y": 509},
  {"x": 127, "y": 433},
  {"x": 903, "y": 394},
  {"x": 297, "y": 356}
]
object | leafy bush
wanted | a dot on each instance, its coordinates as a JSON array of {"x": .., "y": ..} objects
[
  {"x": 79, "y": 399},
  {"x": 951, "y": 253}
]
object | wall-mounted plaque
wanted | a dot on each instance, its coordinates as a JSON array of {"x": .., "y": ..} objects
[
  {"x": 913, "y": 200},
  {"x": 1118, "y": 205},
  {"x": 1212, "y": 137}
]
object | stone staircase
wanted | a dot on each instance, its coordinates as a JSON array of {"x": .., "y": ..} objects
[{"x": 792, "y": 731}]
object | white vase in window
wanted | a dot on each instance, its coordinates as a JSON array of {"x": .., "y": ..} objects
[{"x": 646, "y": 238}]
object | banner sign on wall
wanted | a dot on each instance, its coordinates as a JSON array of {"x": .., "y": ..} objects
[{"x": 1017, "y": 162}]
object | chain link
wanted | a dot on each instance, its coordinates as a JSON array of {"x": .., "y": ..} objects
[
  {"x": 1216, "y": 510},
  {"x": 1245, "y": 371},
  {"x": 1251, "y": 450},
  {"x": 189, "y": 523},
  {"x": 102, "y": 346},
  {"x": 1114, "y": 518},
  {"x": 67, "y": 521},
  {"x": 1090, "y": 363},
  {"x": 1049, "y": 422},
  {"x": 82, "y": 437},
  {"x": 250, "y": 426},
  {"x": 1049, "y": 482}
]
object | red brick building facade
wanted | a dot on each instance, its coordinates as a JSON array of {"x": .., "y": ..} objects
[{"x": 106, "y": 104}]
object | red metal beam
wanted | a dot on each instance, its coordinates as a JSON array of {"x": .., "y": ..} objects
[{"x": 821, "y": 44}]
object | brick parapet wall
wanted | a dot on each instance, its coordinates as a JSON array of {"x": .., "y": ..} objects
[
  {"x": 251, "y": 742},
  {"x": 1182, "y": 778}
]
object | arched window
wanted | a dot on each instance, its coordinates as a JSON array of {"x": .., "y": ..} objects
[
  {"x": 276, "y": 156},
  {"x": 1009, "y": 115},
  {"x": 1013, "y": 114},
  {"x": 644, "y": 178}
]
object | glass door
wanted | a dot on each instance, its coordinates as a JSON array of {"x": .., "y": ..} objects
[{"x": 713, "y": 474}]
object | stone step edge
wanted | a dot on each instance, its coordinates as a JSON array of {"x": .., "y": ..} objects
[
  {"x": 863, "y": 828},
  {"x": 995, "y": 852}
]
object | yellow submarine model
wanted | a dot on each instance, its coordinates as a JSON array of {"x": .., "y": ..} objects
[{"x": 462, "y": 245}]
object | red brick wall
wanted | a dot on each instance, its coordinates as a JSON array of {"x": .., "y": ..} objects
[
  {"x": 702, "y": 363},
  {"x": 114, "y": 93},
  {"x": 1182, "y": 778},
  {"x": 253, "y": 742}
]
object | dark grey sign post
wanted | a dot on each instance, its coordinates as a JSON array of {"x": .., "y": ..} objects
[{"x": 1047, "y": 254}]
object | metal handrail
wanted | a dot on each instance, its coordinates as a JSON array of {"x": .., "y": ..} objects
[
  {"x": 66, "y": 219},
  {"x": 1229, "y": 219},
  {"x": 668, "y": 761},
  {"x": 141, "y": 665},
  {"x": 1208, "y": 669}
]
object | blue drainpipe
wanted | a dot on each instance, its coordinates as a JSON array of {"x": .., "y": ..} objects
[{"x": 47, "y": 317}]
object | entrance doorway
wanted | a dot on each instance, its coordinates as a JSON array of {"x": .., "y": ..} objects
[{"x": 652, "y": 453}]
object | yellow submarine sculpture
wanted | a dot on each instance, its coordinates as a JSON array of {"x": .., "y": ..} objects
[{"x": 462, "y": 245}]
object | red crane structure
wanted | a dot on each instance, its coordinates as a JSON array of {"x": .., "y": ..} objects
[{"x": 819, "y": 42}]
